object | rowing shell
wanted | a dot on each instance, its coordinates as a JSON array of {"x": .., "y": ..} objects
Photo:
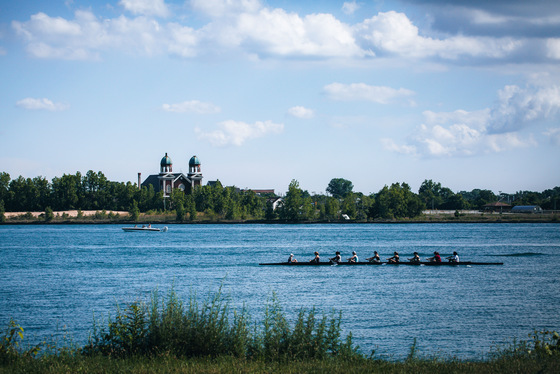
[{"x": 383, "y": 263}]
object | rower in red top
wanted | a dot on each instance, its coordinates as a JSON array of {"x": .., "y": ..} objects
[{"x": 436, "y": 257}]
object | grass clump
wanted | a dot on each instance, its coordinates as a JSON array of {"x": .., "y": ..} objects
[{"x": 167, "y": 326}]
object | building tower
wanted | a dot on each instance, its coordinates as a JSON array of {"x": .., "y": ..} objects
[
  {"x": 165, "y": 176},
  {"x": 166, "y": 166},
  {"x": 195, "y": 173}
]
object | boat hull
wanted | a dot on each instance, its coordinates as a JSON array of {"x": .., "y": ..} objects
[
  {"x": 382, "y": 263},
  {"x": 130, "y": 229}
]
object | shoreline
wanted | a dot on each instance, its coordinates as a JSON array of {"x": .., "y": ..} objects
[{"x": 103, "y": 217}]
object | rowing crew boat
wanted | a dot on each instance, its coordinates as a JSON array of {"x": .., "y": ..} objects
[{"x": 382, "y": 263}]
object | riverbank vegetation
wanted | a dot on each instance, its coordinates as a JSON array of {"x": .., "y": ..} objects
[
  {"x": 118, "y": 202},
  {"x": 168, "y": 335}
]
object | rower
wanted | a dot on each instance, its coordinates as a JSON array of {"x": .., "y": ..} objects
[
  {"x": 315, "y": 259},
  {"x": 354, "y": 257},
  {"x": 435, "y": 258},
  {"x": 394, "y": 259},
  {"x": 415, "y": 258},
  {"x": 336, "y": 258},
  {"x": 291, "y": 259},
  {"x": 375, "y": 257},
  {"x": 454, "y": 258}
]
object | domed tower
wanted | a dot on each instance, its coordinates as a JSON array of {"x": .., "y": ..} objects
[
  {"x": 166, "y": 166},
  {"x": 195, "y": 173}
]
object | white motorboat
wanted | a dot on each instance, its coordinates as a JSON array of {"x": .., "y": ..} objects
[{"x": 144, "y": 228}]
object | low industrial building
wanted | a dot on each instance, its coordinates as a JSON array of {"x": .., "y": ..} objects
[{"x": 526, "y": 209}]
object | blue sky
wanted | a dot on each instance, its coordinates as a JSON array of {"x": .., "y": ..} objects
[{"x": 466, "y": 93}]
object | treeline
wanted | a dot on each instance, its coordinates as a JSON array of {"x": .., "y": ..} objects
[{"x": 93, "y": 191}]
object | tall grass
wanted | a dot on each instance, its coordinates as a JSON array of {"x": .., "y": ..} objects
[{"x": 168, "y": 326}]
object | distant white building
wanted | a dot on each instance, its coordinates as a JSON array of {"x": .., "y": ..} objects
[{"x": 277, "y": 202}]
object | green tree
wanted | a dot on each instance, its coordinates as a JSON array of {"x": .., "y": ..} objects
[
  {"x": 332, "y": 206},
  {"x": 42, "y": 192},
  {"x": 253, "y": 203},
  {"x": 22, "y": 193},
  {"x": 308, "y": 208},
  {"x": 349, "y": 205},
  {"x": 455, "y": 202},
  {"x": 4, "y": 185},
  {"x": 49, "y": 214},
  {"x": 430, "y": 193},
  {"x": 180, "y": 211},
  {"x": 177, "y": 198},
  {"x": 363, "y": 205},
  {"x": 551, "y": 199},
  {"x": 66, "y": 191},
  {"x": 398, "y": 201},
  {"x": 270, "y": 214},
  {"x": 291, "y": 210},
  {"x": 339, "y": 187},
  {"x": 484, "y": 197},
  {"x": 2, "y": 211},
  {"x": 190, "y": 207},
  {"x": 233, "y": 210},
  {"x": 134, "y": 211}
]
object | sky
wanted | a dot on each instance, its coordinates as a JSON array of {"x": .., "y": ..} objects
[{"x": 465, "y": 93}]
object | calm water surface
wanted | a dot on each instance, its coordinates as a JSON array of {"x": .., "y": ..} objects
[{"x": 56, "y": 277}]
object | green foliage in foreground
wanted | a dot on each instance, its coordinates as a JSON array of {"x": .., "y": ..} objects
[
  {"x": 168, "y": 326},
  {"x": 169, "y": 336}
]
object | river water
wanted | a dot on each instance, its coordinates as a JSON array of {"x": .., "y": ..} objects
[{"x": 55, "y": 278}]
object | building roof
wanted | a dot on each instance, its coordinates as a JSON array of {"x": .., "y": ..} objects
[
  {"x": 153, "y": 180},
  {"x": 526, "y": 207},
  {"x": 214, "y": 183},
  {"x": 166, "y": 160},
  {"x": 194, "y": 161},
  {"x": 258, "y": 192}
]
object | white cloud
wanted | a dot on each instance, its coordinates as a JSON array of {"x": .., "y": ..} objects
[
  {"x": 496, "y": 129},
  {"x": 350, "y": 7},
  {"x": 301, "y": 112},
  {"x": 454, "y": 140},
  {"x": 146, "y": 7},
  {"x": 236, "y": 133},
  {"x": 520, "y": 107},
  {"x": 394, "y": 33},
  {"x": 86, "y": 36},
  {"x": 276, "y": 32},
  {"x": 193, "y": 106},
  {"x": 364, "y": 92},
  {"x": 255, "y": 30},
  {"x": 41, "y": 104}
]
